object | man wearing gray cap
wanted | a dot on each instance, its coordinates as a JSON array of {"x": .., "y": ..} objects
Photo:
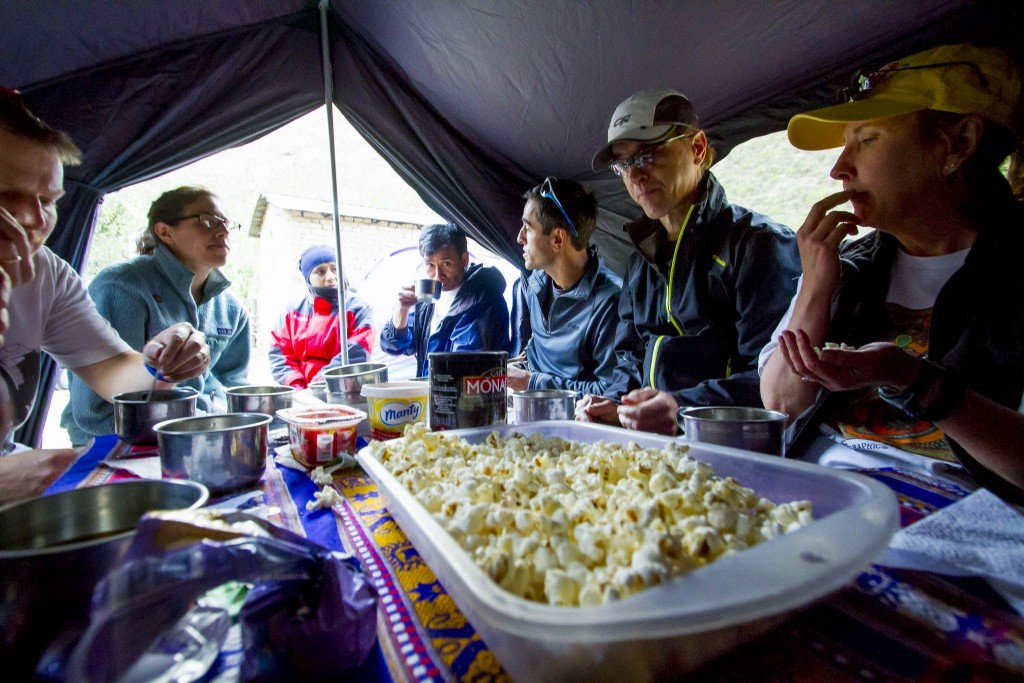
[{"x": 707, "y": 283}]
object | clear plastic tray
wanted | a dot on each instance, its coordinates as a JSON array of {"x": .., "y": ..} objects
[{"x": 675, "y": 627}]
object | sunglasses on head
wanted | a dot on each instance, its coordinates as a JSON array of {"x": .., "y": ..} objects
[
  {"x": 547, "y": 190},
  {"x": 863, "y": 83}
]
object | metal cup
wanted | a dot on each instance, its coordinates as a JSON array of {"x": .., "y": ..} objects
[
  {"x": 135, "y": 412},
  {"x": 267, "y": 400},
  {"x": 345, "y": 383},
  {"x": 428, "y": 290},
  {"x": 547, "y": 404},
  {"x": 751, "y": 429}
]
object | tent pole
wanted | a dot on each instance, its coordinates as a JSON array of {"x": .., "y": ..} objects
[{"x": 329, "y": 106}]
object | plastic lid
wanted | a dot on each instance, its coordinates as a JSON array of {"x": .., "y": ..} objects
[
  {"x": 395, "y": 390},
  {"x": 325, "y": 416}
]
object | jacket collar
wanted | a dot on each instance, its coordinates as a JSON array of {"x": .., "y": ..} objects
[
  {"x": 645, "y": 232},
  {"x": 539, "y": 280},
  {"x": 180, "y": 277},
  {"x": 478, "y": 282}
]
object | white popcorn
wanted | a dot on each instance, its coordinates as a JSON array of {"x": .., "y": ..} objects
[
  {"x": 324, "y": 498},
  {"x": 581, "y": 524}
]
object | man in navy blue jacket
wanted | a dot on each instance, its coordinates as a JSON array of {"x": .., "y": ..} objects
[
  {"x": 469, "y": 315},
  {"x": 565, "y": 312}
]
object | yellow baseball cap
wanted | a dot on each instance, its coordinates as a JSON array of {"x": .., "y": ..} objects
[{"x": 962, "y": 79}]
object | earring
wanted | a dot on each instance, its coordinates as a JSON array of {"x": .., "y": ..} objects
[{"x": 949, "y": 168}]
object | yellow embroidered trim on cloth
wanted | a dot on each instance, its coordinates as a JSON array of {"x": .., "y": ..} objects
[{"x": 451, "y": 635}]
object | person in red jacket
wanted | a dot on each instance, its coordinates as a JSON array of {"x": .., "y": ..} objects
[{"x": 306, "y": 339}]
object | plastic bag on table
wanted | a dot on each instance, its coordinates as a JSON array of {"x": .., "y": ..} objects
[{"x": 177, "y": 556}]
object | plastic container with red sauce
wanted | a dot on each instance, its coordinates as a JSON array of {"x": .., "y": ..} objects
[{"x": 320, "y": 435}]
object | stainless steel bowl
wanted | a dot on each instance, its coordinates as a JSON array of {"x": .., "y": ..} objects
[
  {"x": 225, "y": 452},
  {"x": 53, "y": 550},
  {"x": 267, "y": 400},
  {"x": 345, "y": 383},
  {"x": 751, "y": 429},
  {"x": 318, "y": 390},
  {"x": 134, "y": 416},
  {"x": 545, "y": 404}
]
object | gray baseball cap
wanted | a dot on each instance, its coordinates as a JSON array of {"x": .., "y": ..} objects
[{"x": 648, "y": 116}]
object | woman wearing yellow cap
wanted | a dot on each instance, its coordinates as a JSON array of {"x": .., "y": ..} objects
[{"x": 931, "y": 303}]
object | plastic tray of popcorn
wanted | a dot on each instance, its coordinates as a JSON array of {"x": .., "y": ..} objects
[{"x": 674, "y": 627}]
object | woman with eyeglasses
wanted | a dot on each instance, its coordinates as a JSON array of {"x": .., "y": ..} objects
[
  {"x": 175, "y": 278},
  {"x": 926, "y": 311}
]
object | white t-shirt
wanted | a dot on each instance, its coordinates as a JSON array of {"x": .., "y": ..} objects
[
  {"x": 914, "y": 284},
  {"x": 52, "y": 313},
  {"x": 441, "y": 308}
]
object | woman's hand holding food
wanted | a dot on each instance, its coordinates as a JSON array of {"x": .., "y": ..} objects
[
  {"x": 180, "y": 352},
  {"x": 842, "y": 369}
]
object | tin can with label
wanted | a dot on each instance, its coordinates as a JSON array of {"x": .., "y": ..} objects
[{"x": 467, "y": 389}]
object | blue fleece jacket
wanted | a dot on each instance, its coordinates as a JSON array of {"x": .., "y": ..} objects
[
  {"x": 570, "y": 336},
  {"x": 146, "y": 295}
]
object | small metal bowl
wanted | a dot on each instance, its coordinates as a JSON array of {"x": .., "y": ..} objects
[
  {"x": 53, "y": 550},
  {"x": 267, "y": 400},
  {"x": 225, "y": 452},
  {"x": 750, "y": 429},
  {"x": 345, "y": 383},
  {"x": 134, "y": 415},
  {"x": 545, "y": 404}
]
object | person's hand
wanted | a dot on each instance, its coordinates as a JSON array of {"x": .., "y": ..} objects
[
  {"x": 5, "y": 302},
  {"x": 871, "y": 365},
  {"x": 597, "y": 409},
  {"x": 518, "y": 379},
  {"x": 818, "y": 241},
  {"x": 15, "y": 250},
  {"x": 407, "y": 297},
  {"x": 649, "y": 410},
  {"x": 28, "y": 473},
  {"x": 180, "y": 352}
]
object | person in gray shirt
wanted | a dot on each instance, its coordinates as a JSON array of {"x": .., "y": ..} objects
[{"x": 565, "y": 312}]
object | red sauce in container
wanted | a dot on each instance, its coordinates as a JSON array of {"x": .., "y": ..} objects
[{"x": 318, "y": 436}]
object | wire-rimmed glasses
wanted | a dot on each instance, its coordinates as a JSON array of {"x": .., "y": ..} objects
[
  {"x": 211, "y": 221},
  {"x": 646, "y": 156}
]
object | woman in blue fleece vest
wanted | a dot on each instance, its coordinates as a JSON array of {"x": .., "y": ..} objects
[{"x": 176, "y": 278}]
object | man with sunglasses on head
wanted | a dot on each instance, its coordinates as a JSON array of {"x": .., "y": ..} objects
[
  {"x": 707, "y": 283},
  {"x": 567, "y": 308},
  {"x": 469, "y": 315},
  {"x": 46, "y": 308}
]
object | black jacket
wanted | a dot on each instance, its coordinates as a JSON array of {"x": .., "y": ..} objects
[
  {"x": 477, "y": 321},
  {"x": 734, "y": 274},
  {"x": 977, "y": 324}
]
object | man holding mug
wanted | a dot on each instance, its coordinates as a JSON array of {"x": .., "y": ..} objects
[{"x": 469, "y": 315}]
